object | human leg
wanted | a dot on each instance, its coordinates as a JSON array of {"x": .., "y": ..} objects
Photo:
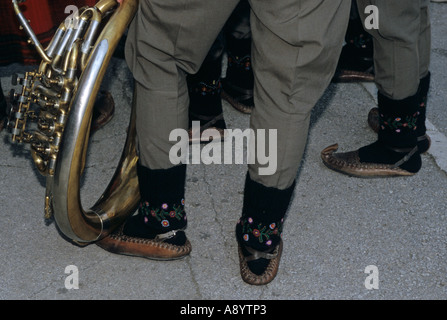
[
  {"x": 356, "y": 59},
  {"x": 238, "y": 82},
  {"x": 398, "y": 67},
  {"x": 293, "y": 62},
  {"x": 205, "y": 90},
  {"x": 166, "y": 41}
]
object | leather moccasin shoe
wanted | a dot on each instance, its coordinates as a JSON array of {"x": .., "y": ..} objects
[
  {"x": 270, "y": 272},
  {"x": 214, "y": 123},
  {"x": 349, "y": 163},
  {"x": 243, "y": 103},
  {"x": 346, "y": 76},
  {"x": 155, "y": 249}
]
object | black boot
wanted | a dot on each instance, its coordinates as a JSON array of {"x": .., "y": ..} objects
[
  {"x": 239, "y": 80},
  {"x": 259, "y": 229},
  {"x": 395, "y": 153},
  {"x": 205, "y": 98},
  {"x": 161, "y": 210}
]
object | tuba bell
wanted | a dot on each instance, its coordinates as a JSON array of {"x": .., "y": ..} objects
[{"x": 59, "y": 97}]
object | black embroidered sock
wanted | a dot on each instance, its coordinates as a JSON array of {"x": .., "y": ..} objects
[
  {"x": 397, "y": 134},
  {"x": 205, "y": 103},
  {"x": 239, "y": 79},
  {"x": 261, "y": 223},
  {"x": 135, "y": 227},
  {"x": 357, "y": 54},
  {"x": 162, "y": 203}
]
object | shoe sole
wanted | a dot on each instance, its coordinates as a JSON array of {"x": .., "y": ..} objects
[
  {"x": 269, "y": 274},
  {"x": 357, "y": 169},
  {"x": 236, "y": 104},
  {"x": 122, "y": 244}
]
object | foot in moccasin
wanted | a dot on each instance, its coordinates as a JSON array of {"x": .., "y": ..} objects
[
  {"x": 157, "y": 231},
  {"x": 205, "y": 103},
  {"x": 133, "y": 238},
  {"x": 239, "y": 80},
  {"x": 356, "y": 63},
  {"x": 395, "y": 153},
  {"x": 258, "y": 231}
]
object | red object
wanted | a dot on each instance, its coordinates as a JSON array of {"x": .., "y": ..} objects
[{"x": 45, "y": 17}]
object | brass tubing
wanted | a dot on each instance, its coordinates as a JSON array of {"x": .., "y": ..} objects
[
  {"x": 39, "y": 147},
  {"x": 89, "y": 36},
  {"x": 105, "y": 5},
  {"x": 47, "y": 91},
  {"x": 55, "y": 40},
  {"x": 121, "y": 196},
  {"x": 70, "y": 63}
]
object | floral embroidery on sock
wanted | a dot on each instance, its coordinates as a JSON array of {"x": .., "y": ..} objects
[
  {"x": 261, "y": 232},
  {"x": 397, "y": 124},
  {"x": 207, "y": 89},
  {"x": 165, "y": 214},
  {"x": 240, "y": 62},
  {"x": 360, "y": 41}
]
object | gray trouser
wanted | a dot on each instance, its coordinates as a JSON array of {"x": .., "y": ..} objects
[
  {"x": 296, "y": 45},
  {"x": 401, "y": 45}
]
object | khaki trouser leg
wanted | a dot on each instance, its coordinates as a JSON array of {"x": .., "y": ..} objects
[
  {"x": 401, "y": 45},
  {"x": 296, "y": 46},
  {"x": 424, "y": 40},
  {"x": 166, "y": 40}
]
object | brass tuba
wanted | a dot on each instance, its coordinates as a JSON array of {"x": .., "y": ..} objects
[{"x": 59, "y": 96}]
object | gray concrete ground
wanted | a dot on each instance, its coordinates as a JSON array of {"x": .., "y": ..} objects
[{"x": 337, "y": 225}]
